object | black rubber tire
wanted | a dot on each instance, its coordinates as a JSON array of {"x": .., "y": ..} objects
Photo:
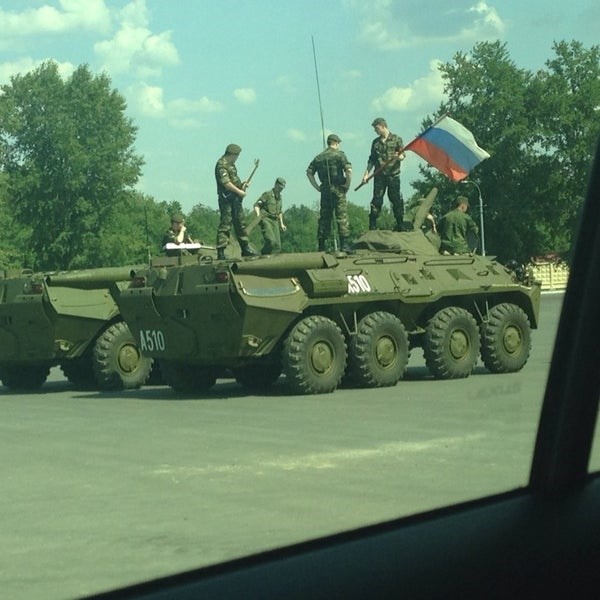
[
  {"x": 451, "y": 343},
  {"x": 187, "y": 378},
  {"x": 80, "y": 372},
  {"x": 117, "y": 361},
  {"x": 24, "y": 378},
  {"x": 505, "y": 339},
  {"x": 258, "y": 376},
  {"x": 314, "y": 356},
  {"x": 378, "y": 353}
]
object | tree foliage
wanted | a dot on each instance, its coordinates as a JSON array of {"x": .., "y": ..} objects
[
  {"x": 68, "y": 168},
  {"x": 540, "y": 130},
  {"x": 67, "y": 154}
]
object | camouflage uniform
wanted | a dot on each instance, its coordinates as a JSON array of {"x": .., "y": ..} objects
[
  {"x": 171, "y": 237},
  {"x": 454, "y": 228},
  {"x": 388, "y": 179},
  {"x": 230, "y": 205},
  {"x": 331, "y": 166},
  {"x": 270, "y": 209}
]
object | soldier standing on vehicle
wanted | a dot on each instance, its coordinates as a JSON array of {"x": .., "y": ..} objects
[
  {"x": 335, "y": 174},
  {"x": 268, "y": 209},
  {"x": 231, "y": 191},
  {"x": 455, "y": 228},
  {"x": 385, "y": 158}
]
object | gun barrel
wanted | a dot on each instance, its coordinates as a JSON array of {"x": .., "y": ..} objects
[
  {"x": 285, "y": 263},
  {"x": 91, "y": 277}
]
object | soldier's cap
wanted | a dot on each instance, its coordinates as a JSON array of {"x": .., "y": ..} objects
[
  {"x": 462, "y": 200},
  {"x": 280, "y": 181},
  {"x": 379, "y": 121},
  {"x": 233, "y": 149},
  {"x": 333, "y": 138},
  {"x": 177, "y": 218}
]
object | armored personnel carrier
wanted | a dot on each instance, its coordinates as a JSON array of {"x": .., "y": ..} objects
[
  {"x": 322, "y": 317},
  {"x": 69, "y": 319}
]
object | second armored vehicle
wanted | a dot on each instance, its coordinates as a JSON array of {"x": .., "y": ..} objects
[{"x": 69, "y": 319}]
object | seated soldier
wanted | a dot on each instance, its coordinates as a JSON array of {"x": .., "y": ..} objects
[{"x": 177, "y": 235}]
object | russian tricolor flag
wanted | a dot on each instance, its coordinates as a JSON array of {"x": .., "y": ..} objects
[{"x": 449, "y": 147}]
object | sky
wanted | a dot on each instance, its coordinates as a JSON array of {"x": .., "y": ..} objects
[{"x": 274, "y": 76}]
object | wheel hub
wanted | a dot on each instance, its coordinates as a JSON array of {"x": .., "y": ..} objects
[
  {"x": 129, "y": 358},
  {"x": 321, "y": 357},
  {"x": 385, "y": 351},
  {"x": 459, "y": 344},
  {"x": 512, "y": 339}
]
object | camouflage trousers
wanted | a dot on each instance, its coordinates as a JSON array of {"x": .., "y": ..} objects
[
  {"x": 391, "y": 184},
  {"x": 333, "y": 201},
  {"x": 230, "y": 208},
  {"x": 271, "y": 235}
]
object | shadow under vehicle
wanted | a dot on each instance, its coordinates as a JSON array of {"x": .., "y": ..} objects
[
  {"x": 67, "y": 318},
  {"x": 321, "y": 317}
]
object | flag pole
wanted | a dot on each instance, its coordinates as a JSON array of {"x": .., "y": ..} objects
[{"x": 395, "y": 158}]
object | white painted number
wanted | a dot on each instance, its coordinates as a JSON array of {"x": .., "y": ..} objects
[
  {"x": 358, "y": 284},
  {"x": 151, "y": 340}
]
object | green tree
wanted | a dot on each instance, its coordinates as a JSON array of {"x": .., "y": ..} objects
[
  {"x": 567, "y": 99},
  {"x": 68, "y": 157},
  {"x": 203, "y": 222},
  {"x": 301, "y": 234},
  {"x": 540, "y": 131}
]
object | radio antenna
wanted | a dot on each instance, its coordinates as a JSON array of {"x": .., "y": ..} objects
[
  {"x": 332, "y": 208},
  {"x": 318, "y": 91}
]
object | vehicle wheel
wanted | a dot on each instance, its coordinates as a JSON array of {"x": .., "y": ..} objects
[
  {"x": 378, "y": 353},
  {"x": 505, "y": 339},
  {"x": 314, "y": 356},
  {"x": 258, "y": 376},
  {"x": 24, "y": 377},
  {"x": 117, "y": 360},
  {"x": 451, "y": 343},
  {"x": 187, "y": 378},
  {"x": 80, "y": 372}
]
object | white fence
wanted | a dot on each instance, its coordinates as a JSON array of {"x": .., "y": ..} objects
[{"x": 553, "y": 275}]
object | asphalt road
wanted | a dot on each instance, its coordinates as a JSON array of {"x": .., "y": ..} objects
[{"x": 103, "y": 490}]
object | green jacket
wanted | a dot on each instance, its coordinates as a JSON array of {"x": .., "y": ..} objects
[
  {"x": 330, "y": 166},
  {"x": 225, "y": 172},
  {"x": 382, "y": 151},
  {"x": 454, "y": 227},
  {"x": 270, "y": 203}
]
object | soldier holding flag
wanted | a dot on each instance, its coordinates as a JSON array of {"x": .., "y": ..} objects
[{"x": 385, "y": 157}]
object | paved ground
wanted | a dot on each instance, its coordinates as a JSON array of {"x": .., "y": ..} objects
[{"x": 102, "y": 490}]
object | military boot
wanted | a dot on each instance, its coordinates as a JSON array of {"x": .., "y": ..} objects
[
  {"x": 220, "y": 253},
  {"x": 345, "y": 245},
  {"x": 247, "y": 250},
  {"x": 372, "y": 221}
]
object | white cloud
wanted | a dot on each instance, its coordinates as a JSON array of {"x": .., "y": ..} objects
[
  {"x": 422, "y": 93},
  {"x": 182, "y": 113},
  {"x": 245, "y": 95},
  {"x": 134, "y": 48},
  {"x": 149, "y": 100},
  {"x": 24, "y": 65},
  {"x": 387, "y": 28},
  {"x": 296, "y": 135},
  {"x": 286, "y": 84},
  {"x": 183, "y": 106},
  {"x": 72, "y": 15}
]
